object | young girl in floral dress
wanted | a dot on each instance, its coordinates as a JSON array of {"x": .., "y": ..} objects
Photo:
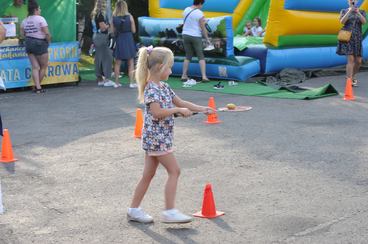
[{"x": 161, "y": 103}]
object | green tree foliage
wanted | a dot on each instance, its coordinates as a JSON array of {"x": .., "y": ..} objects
[{"x": 136, "y": 7}]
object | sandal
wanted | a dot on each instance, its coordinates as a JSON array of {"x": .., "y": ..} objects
[
  {"x": 184, "y": 79},
  {"x": 355, "y": 82},
  {"x": 205, "y": 80},
  {"x": 39, "y": 91}
]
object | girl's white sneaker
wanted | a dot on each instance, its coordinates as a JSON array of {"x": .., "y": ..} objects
[
  {"x": 133, "y": 85},
  {"x": 138, "y": 215},
  {"x": 175, "y": 216}
]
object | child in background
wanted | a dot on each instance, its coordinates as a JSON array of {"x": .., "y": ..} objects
[
  {"x": 257, "y": 27},
  {"x": 161, "y": 103},
  {"x": 248, "y": 29}
]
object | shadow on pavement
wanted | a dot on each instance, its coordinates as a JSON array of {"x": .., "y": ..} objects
[
  {"x": 145, "y": 228},
  {"x": 183, "y": 234}
]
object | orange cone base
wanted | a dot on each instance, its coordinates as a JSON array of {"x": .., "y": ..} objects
[
  {"x": 349, "y": 98},
  {"x": 137, "y": 137},
  {"x": 213, "y": 122},
  {"x": 199, "y": 214},
  {"x": 8, "y": 160}
]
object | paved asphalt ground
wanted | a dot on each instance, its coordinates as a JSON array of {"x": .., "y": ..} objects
[{"x": 288, "y": 171}]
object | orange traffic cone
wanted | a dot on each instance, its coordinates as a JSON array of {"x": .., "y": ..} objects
[
  {"x": 208, "y": 205},
  {"x": 349, "y": 94},
  {"x": 7, "y": 151},
  {"x": 212, "y": 118},
  {"x": 138, "y": 123}
]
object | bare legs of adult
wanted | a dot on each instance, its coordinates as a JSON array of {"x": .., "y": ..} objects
[
  {"x": 131, "y": 73},
  {"x": 117, "y": 70},
  {"x": 350, "y": 67},
  {"x": 184, "y": 76},
  {"x": 357, "y": 64},
  {"x": 43, "y": 60},
  {"x": 36, "y": 70},
  {"x": 202, "y": 65}
]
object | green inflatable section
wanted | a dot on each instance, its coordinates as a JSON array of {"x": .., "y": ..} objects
[
  {"x": 261, "y": 8},
  {"x": 258, "y": 8},
  {"x": 59, "y": 14}
]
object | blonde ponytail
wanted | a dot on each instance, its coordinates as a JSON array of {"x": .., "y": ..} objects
[
  {"x": 141, "y": 73},
  {"x": 148, "y": 59}
]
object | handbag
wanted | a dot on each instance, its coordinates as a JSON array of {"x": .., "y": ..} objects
[
  {"x": 179, "y": 28},
  {"x": 344, "y": 35},
  {"x": 111, "y": 41}
]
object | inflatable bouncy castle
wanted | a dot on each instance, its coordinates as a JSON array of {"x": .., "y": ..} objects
[{"x": 298, "y": 34}]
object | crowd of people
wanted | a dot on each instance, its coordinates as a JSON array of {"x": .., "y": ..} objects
[{"x": 121, "y": 27}]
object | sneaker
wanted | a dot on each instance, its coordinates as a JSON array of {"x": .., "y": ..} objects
[
  {"x": 175, "y": 216},
  {"x": 100, "y": 83},
  {"x": 133, "y": 85},
  {"x": 109, "y": 83},
  {"x": 232, "y": 83},
  {"x": 218, "y": 86},
  {"x": 190, "y": 83},
  {"x": 138, "y": 215},
  {"x": 210, "y": 47},
  {"x": 117, "y": 85},
  {"x": 355, "y": 82},
  {"x": 113, "y": 75}
]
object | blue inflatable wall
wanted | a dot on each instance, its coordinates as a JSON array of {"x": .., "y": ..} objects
[{"x": 162, "y": 32}]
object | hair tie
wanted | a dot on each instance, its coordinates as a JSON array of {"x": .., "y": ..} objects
[{"x": 149, "y": 49}]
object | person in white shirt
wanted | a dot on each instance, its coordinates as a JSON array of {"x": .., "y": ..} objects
[
  {"x": 257, "y": 29},
  {"x": 193, "y": 29}
]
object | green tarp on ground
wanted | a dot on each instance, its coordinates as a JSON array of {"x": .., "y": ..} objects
[
  {"x": 260, "y": 89},
  {"x": 245, "y": 89}
]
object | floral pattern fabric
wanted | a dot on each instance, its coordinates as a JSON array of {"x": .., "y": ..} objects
[
  {"x": 157, "y": 134},
  {"x": 354, "y": 46}
]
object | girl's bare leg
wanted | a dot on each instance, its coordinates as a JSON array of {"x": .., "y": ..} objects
[
  {"x": 150, "y": 167},
  {"x": 173, "y": 170}
]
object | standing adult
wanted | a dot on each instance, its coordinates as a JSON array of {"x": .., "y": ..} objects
[
  {"x": 2, "y": 38},
  {"x": 19, "y": 10},
  {"x": 124, "y": 28},
  {"x": 37, "y": 39},
  {"x": 103, "y": 55},
  {"x": 2, "y": 32},
  {"x": 193, "y": 29},
  {"x": 352, "y": 18}
]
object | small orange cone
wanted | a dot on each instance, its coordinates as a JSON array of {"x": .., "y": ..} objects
[
  {"x": 6, "y": 150},
  {"x": 138, "y": 123},
  {"x": 349, "y": 94},
  {"x": 208, "y": 205},
  {"x": 212, "y": 118}
]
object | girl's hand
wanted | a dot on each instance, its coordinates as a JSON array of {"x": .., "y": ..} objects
[
  {"x": 208, "y": 110},
  {"x": 185, "y": 112}
]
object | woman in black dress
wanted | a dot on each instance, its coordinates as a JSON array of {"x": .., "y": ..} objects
[{"x": 352, "y": 19}]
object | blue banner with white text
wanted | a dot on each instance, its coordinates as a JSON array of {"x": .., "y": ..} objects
[{"x": 16, "y": 70}]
